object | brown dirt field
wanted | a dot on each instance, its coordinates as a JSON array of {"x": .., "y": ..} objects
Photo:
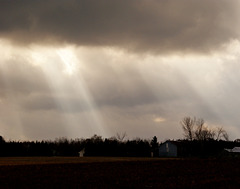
[
  {"x": 100, "y": 172},
  {"x": 63, "y": 160}
]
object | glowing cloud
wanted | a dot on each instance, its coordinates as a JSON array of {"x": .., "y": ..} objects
[
  {"x": 69, "y": 60},
  {"x": 159, "y": 119}
]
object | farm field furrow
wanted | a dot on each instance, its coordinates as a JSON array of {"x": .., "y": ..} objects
[{"x": 101, "y": 172}]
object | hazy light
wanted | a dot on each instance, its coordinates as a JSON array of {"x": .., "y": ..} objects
[
  {"x": 56, "y": 66},
  {"x": 69, "y": 60},
  {"x": 159, "y": 119},
  {"x": 61, "y": 71},
  {"x": 15, "y": 116},
  {"x": 65, "y": 69}
]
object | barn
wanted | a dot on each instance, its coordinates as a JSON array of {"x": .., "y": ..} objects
[{"x": 168, "y": 149}]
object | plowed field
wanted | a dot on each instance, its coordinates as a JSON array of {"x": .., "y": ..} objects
[{"x": 100, "y": 172}]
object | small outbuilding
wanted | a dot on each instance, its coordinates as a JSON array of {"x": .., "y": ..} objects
[
  {"x": 234, "y": 150},
  {"x": 168, "y": 149},
  {"x": 82, "y": 152}
]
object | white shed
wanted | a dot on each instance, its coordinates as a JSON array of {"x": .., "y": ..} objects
[{"x": 82, "y": 152}]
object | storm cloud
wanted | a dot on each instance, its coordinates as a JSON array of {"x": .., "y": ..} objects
[
  {"x": 137, "y": 26},
  {"x": 82, "y": 67}
]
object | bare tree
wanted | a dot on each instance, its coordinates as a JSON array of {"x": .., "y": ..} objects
[
  {"x": 225, "y": 136},
  {"x": 120, "y": 136},
  {"x": 196, "y": 129},
  {"x": 221, "y": 133},
  {"x": 202, "y": 131},
  {"x": 200, "y": 126},
  {"x": 207, "y": 134},
  {"x": 188, "y": 127}
]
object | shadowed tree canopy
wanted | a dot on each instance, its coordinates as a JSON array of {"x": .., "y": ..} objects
[{"x": 2, "y": 140}]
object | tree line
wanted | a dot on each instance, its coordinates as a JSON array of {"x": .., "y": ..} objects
[
  {"x": 199, "y": 140},
  {"x": 94, "y": 146}
]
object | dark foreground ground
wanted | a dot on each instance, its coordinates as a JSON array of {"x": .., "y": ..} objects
[{"x": 119, "y": 173}]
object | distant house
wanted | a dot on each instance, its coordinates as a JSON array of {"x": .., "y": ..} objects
[
  {"x": 168, "y": 149},
  {"x": 234, "y": 150},
  {"x": 82, "y": 152}
]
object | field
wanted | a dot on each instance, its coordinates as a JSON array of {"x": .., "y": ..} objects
[{"x": 102, "y": 172}]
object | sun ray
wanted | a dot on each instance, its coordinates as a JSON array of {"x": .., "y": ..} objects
[
  {"x": 64, "y": 63},
  {"x": 15, "y": 115}
]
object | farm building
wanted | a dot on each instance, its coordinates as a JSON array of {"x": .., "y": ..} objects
[
  {"x": 168, "y": 149},
  {"x": 82, "y": 152},
  {"x": 234, "y": 150}
]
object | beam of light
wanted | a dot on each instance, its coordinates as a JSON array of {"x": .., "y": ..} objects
[
  {"x": 96, "y": 118},
  {"x": 179, "y": 77},
  {"x": 9, "y": 93},
  {"x": 71, "y": 61},
  {"x": 63, "y": 86},
  {"x": 80, "y": 87},
  {"x": 47, "y": 62},
  {"x": 203, "y": 75}
]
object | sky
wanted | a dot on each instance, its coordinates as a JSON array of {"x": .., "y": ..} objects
[{"x": 82, "y": 67}]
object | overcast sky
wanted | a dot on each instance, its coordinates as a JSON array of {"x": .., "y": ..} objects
[{"x": 77, "y": 68}]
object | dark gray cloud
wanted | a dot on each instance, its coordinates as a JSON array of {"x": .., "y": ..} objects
[
  {"x": 19, "y": 78},
  {"x": 138, "y": 26}
]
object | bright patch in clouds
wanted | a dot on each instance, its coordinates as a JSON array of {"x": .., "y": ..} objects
[
  {"x": 64, "y": 59},
  {"x": 159, "y": 119},
  {"x": 69, "y": 60}
]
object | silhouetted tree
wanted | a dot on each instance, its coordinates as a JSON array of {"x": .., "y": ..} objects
[
  {"x": 202, "y": 132},
  {"x": 2, "y": 140},
  {"x": 188, "y": 127},
  {"x": 154, "y": 142},
  {"x": 196, "y": 129},
  {"x": 120, "y": 136},
  {"x": 198, "y": 132},
  {"x": 221, "y": 133},
  {"x": 154, "y": 145},
  {"x": 237, "y": 140}
]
